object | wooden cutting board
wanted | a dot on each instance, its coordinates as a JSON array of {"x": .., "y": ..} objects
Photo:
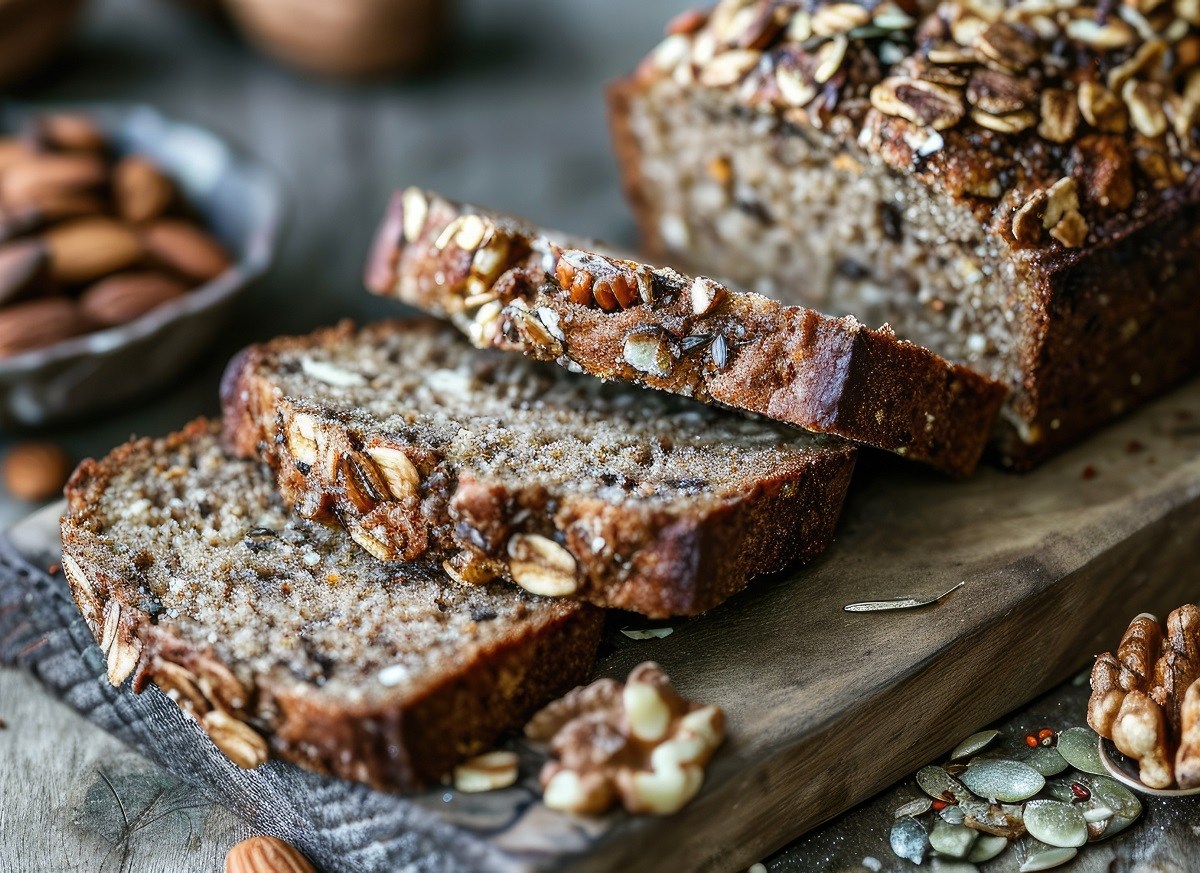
[{"x": 825, "y": 707}]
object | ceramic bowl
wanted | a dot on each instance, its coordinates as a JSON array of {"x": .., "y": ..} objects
[
  {"x": 239, "y": 201},
  {"x": 1125, "y": 771}
]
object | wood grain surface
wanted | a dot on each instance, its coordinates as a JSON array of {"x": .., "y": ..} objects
[{"x": 825, "y": 708}]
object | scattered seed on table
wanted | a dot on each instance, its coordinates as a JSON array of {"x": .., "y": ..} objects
[
  {"x": 1009, "y": 781},
  {"x": 1056, "y": 823},
  {"x": 974, "y": 744}
]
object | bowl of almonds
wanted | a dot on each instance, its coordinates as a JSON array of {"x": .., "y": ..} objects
[{"x": 125, "y": 237}]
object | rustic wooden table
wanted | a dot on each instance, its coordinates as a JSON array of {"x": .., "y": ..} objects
[{"x": 515, "y": 119}]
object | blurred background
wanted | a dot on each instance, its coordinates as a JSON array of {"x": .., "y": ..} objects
[{"x": 505, "y": 109}]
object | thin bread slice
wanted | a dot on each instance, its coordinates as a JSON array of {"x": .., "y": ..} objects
[
  {"x": 423, "y": 447},
  {"x": 281, "y": 637},
  {"x": 506, "y": 284}
]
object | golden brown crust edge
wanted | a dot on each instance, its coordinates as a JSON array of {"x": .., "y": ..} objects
[
  {"x": 379, "y": 742},
  {"x": 682, "y": 564},
  {"x": 788, "y": 363}
]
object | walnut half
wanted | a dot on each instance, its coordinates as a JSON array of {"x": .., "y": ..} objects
[
  {"x": 1146, "y": 698},
  {"x": 639, "y": 743}
]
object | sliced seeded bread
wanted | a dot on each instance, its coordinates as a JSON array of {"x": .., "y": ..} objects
[
  {"x": 506, "y": 284},
  {"x": 281, "y": 637},
  {"x": 425, "y": 448},
  {"x": 1016, "y": 189}
]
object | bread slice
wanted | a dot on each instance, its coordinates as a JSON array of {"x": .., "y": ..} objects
[
  {"x": 508, "y": 285},
  {"x": 1017, "y": 190},
  {"x": 282, "y": 637},
  {"x": 422, "y": 447}
]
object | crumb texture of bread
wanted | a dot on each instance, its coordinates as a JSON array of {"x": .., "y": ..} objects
[
  {"x": 1014, "y": 187},
  {"x": 507, "y": 285},
  {"x": 425, "y": 448},
  {"x": 193, "y": 574}
]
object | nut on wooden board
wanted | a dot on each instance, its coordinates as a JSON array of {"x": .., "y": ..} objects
[
  {"x": 639, "y": 743},
  {"x": 35, "y": 470},
  {"x": 266, "y": 855}
]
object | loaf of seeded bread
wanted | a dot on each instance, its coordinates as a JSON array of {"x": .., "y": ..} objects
[
  {"x": 1013, "y": 184},
  {"x": 508, "y": 285},
  {"x": 424, "y": 448},
  {"x": 281, "y": 637}
]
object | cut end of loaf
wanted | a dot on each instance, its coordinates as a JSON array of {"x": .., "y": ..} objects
[
  {"x": 422, "y": 447},
  {"x": 383, "y": 673}
]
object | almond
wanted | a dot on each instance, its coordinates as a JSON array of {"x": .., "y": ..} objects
[
  {"x": 141, "y": 189},
  {"x": 126, "y": 296},
  {"x": 38, "y": 323},
  {"x": 35, "y": 470},
  {"x": 30, "y": 181},
  {"x": 23, "y": 267},
  {"x": 69, "y": 132},
  {"x": 87, "y": 248},
  {"x": 186, "y": 248},
  {"x": 18, "y": 222},
  {"x": 266, "y": 855},
  {"x": 13, "y": 150}
]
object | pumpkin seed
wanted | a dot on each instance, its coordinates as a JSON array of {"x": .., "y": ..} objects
[
  {"x": 1010, "y": 781},
  {"x": 952, "y": 840},
  {"x": 1039, "y": 856},
  {"x": 909, "y": 840},
  {"x": 944, "y": 865},
  {"x": 1055, "y": 823},
  {"x": 1046, "y": 760},
  {"x": 981, "y": 816},
  {"x": 1116, "y": 824},
  {"x": 1079, "y": 746},
  {"x": 919, "y": 806},
  {"x": 952, "y": 815},
  {"x": 974, "y": 744},
  {"x": 901, "y": 602},
  {"x": 939, "y": 784},
  {"x": 986, "y": 847},
  {"x": 1060, "y": 789},
  {"x": 1114, "y": 795}
]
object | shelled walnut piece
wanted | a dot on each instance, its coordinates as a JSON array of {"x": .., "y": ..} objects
[
  {"x": 639, "y": 743},
  {"x": 1146, "y": 697}
]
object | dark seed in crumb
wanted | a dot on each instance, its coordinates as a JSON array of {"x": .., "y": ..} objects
[
  {"x": 303, "y": 468},
  {"x": 720, "y": 351},
  {"x": 852, "y": 269},
  {"x": 1134, "y": 446},
  {"x": 482, "y": 615},
  {"x": 892, "y": 221},
  {"x": 755, "y": 210},
  {"x": 260, "y": 538},
  {"x": 695, "y": 341},
  {"x": 1089, "y": 472},
  {"x": 3, "y": 724}
]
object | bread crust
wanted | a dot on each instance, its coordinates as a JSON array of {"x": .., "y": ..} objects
[
  {"x": 656, "y": 561},
  {"x": 1100, "y": 304},
  {"x": 788, "y": 363},
  {"x": 400, "y": 740}
]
